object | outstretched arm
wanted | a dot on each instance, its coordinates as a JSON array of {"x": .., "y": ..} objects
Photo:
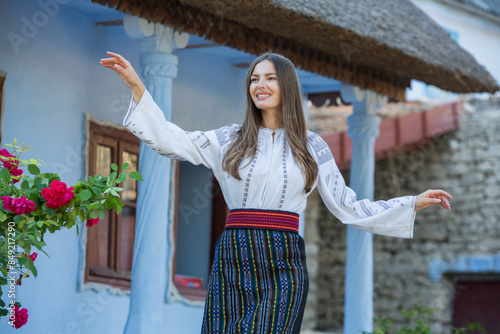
[
  {"x": 432, "y": 197},
  {"x": 122, "y": 66}
]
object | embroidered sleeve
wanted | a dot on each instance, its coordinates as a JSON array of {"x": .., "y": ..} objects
[
  {"x": 394, "y": 217},
  {"x": 148, "y": 123}
]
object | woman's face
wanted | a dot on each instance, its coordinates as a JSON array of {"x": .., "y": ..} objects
[{"x": 264, "y": 87}]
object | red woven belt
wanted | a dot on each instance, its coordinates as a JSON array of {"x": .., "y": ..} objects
[{"x": 263, "y": 219}]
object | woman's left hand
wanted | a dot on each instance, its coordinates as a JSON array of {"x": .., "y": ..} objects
[{"x": 431, "y": 197}]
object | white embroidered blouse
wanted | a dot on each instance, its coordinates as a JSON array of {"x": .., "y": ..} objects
[{"x": 272, "y": 180}]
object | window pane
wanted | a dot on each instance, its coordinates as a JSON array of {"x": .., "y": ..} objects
[
  {"x": 126, "y": 240},
  {"x": 103, "y": 160},
  {"x": 129, "y": 193},
  {"x": 194, "y": 222},
  {"x": 98, "y": 250}
]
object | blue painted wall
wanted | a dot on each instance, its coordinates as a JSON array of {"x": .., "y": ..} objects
[{"x": 53, "y": 80}]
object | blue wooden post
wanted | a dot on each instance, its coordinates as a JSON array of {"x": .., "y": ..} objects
[
  {"x": 363, "y": 130},
  {"x": 151, "y": 250}
]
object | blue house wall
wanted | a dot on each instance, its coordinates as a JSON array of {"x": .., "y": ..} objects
[{"x": 54, "y": 81}]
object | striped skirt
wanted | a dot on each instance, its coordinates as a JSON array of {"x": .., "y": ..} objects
[{"x": 258, "y": 282}]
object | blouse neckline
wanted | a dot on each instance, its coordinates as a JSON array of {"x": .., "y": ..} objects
[{"x": 267, "y": 129}]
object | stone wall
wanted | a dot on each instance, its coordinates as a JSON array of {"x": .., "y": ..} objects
[{"x": 466, "y": 163}]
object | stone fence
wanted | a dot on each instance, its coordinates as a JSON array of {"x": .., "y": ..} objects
[{"x": 446, "y": 244}]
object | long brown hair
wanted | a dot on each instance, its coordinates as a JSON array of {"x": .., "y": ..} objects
[{"x": 292, "y": 118}]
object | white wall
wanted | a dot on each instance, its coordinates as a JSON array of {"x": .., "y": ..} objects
[{"x": 480, "y": 37}]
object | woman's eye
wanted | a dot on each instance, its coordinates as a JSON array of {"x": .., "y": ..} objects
[
  {"x": 272, "y": 78},
  {"x": 253, "y": 80}
]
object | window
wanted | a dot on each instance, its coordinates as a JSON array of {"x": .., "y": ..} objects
[
  {"x": 199, "y": 219},
  {"x": 477, "y": 299},
  {"x": 110, "y": 243}
]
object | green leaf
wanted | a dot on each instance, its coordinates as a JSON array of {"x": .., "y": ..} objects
[
  {"x": 22, "y": 260},
  {"x": 85, "y": 183},
  {"x": 91, "y": 180},
  {"x": 31, "y": 266},
  {"x": 33, "y": 169},
  {"x": 5, "y": 175},
  {"x": 114, "y": 193},
  {"x": 96, "y": 190},
  {"x": 112, "y": 176},
  {"x": 25, "y": 185},
  {"x": 136, "y": 176},
  {"x": 93, "y": 205},
  {"x": 125, "y": 166},
  {"x": 114, "y": 166},
  {"x": 85, "y": 195},
  {"x": 39, "y": 223},
  {"x": 122, "y": 177},
  {"x": 93, "y": 215},
  {"x": 21, "y": 224}
]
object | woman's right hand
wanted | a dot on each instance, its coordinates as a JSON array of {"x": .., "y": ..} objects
[{"x": 122, "y": 66}]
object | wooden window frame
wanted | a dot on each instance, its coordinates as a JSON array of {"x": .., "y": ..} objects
[
  {"x": 126, "y": 142},
  {"x": 218, "y": 219}
]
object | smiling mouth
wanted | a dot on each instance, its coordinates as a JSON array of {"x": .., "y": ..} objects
[{"x": 263, "y": 96}]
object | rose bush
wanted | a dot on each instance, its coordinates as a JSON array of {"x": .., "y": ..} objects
[{"x": 32, "y": 205}]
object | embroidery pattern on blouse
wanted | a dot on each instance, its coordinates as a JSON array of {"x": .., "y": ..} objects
[
  {"x": 321, "y": 148},
  {"x": 285, "y": 176},
  {"x": 197, "y": 137},
  {"x": 224, "y": 135},
  {"x": 249, "y": 175}
]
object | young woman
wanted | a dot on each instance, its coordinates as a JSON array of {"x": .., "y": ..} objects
[{"x": 266, "y": 169}]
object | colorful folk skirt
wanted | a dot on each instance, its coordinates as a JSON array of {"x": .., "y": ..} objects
[{"x": 258, "y": 282}]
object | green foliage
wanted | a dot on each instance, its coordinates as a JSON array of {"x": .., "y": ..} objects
[
  {"x": 418, "y": 319},
  {"x": 22, "y": 234}
]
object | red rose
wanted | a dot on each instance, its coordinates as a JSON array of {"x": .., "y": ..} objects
[
  {"x": 23, "y": 205},
  {"x": 7, "y": 203},
  {"x": 32, "y": 256},
  {"x": 5, "y": 153},
  {"x": 21, "y": 317},
  {"x": 58, "y": 187},
  {"x": 30, "y": 206},
  {"x": 53, "y": 203},
  {"x": 66, "y": 198},
  {"x": 16, "y": 172},
  {"x": 19, "y": 206},
  {"x": 48, "y": 194},
  {"x": 8, "y": 165},
  {"x": 91, "y": 222}
]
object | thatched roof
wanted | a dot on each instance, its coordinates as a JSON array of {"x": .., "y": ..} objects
[{"x": 375, "y": 44}]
